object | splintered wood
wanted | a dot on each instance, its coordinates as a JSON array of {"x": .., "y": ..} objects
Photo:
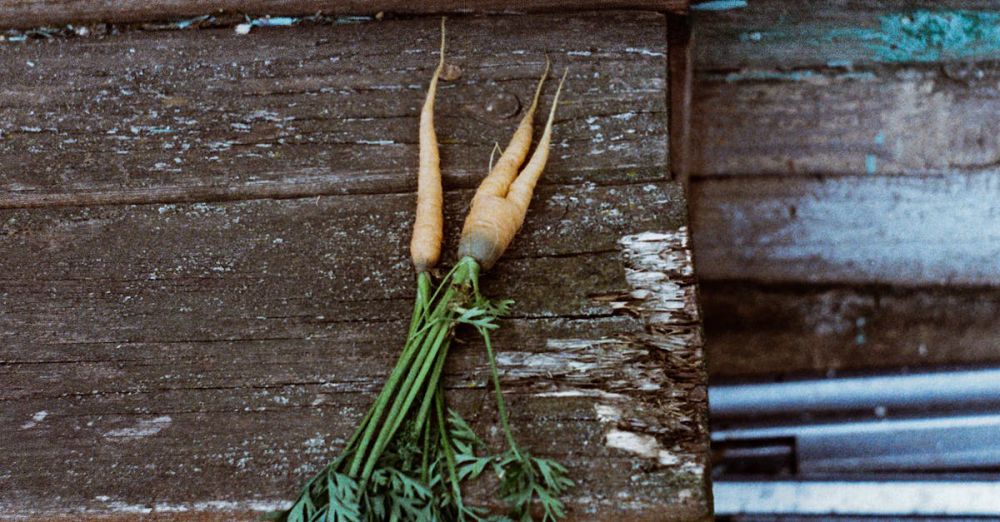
[{"x": 205, "y": 274}]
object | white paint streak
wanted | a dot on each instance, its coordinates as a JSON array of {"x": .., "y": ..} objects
[
  {"x": 144, "y": 428},
  {"x": 117, "y": 506},
  {"x": 884, "y": 229},
  {"x": 574, "y": 392},
  {"x": 659, "y": 272},
  {"x": 643, "y": 52},
  {"x": 39, "y": 416},
  {"x": 640, "y": 444},
  {"x": 607, "y": 413}
]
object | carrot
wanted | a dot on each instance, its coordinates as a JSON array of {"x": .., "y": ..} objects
[
  {"x": 505, "y": 169},
  {"x": 410, "y": 452},
  {"x": 425, "y": 245},
  {"x": 501, "y": 202}
]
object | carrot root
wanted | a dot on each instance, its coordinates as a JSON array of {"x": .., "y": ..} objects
[
  {"x": 496, "y": 215},
  {"x": 503, "y": 172},
  {"x": 428, "y": 227}
]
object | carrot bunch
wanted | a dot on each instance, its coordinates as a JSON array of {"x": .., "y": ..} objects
[{"x": 410, "y": 455}]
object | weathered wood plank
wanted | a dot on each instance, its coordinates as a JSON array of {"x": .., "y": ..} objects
[
  {"x": 912, "y": 121},
  {"x": 846, "y": 143},
  {"x": 776, "y": 34},
  {"x": 255, "y": 373},
  {"x": 34, "y": 13},
  {"x": 165, "y": 117},
  {"x": 894, "y": 230},
  {"x": 194, "y": 359},
  {"x": 792, "y": 164},
  {"x": 773, "y": 329}
]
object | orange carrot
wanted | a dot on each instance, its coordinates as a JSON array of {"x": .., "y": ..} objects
[
  {"x": 504, "y": 170},
  {"x": 425, "y": 245},
  {"x": 498, "y": 209},
  {"x": 522, "y": 188}
]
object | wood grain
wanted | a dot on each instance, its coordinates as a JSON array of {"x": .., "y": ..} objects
[
  {"x": 891, "y": 230},
  {"x": 680, "y": 44},
  {"x": 844, "y": 199},
  {"x": 34, "y": 13},
  {"x": 914, "y": 121},
  {"x": 811, "y": 165},
  {"x": 163, "y": 117},
  {"x": 191, "y": 340},
  {"x": 758, "y": 330}
]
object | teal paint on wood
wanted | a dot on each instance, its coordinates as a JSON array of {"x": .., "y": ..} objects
[
  {"x": 871, "y": 162},
  {"x": 719, "y": 5},
  {"x": 793, "y": 76},
  {"x": 929, "y": 36},
  {"x": 770, "y": 34}
]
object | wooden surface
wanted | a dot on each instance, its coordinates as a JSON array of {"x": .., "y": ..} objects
[
  {"x": 873, "y": 174},
  {"x": 880, "y": 229},
  {"x": 755, "y": 329},
  {"x": 206, "y": 274},
  {"x": 845, "y": 154},
  {"x": 27, "y": 14},
  {"x": 680, "y": 46}
]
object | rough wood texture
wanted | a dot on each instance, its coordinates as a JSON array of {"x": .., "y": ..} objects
[
  {"x": 912, "y": 121},
  {"x": 844, "y": 164},
  {"x": 206, "y": 273},
  {"x": 679, "y": 48},
  {"x": 896, "y": 230},
  {"x": 815, "y": 165},
  {"x": 769, "y": 329},
  {"x": 169, "y": 117},
  {"x": 34, "y": 13}
]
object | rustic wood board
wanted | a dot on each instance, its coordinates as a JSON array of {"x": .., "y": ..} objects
[
  {"x": 910, "y": 121},
  {"x": 844, "y": 165},
  {"x": 34, "y": 13},
  {"x": 760, "y": 330},
  {"x": 207, "y": 273},
  {"x": 163, "y": 117},
  {"x": 891, "y": 230},
  {"x": 845, "y": 168}
]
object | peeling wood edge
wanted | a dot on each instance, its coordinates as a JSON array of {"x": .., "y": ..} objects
[
  {"x": 626, "y": 375},
  {"x": 31, "y": 14},
  {"x": 660, "y": 270}
]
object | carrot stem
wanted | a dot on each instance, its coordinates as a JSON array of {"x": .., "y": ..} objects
[
  {"x": 501, "y": 404},
  {"x": 399, "y": 409},
  {"x": 449, "y": 453}
]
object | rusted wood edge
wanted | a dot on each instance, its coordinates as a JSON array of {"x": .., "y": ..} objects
[{"x": 24, "y": 14}]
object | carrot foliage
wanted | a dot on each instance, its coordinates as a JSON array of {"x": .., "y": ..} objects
[{"x": 410, "y": 456}]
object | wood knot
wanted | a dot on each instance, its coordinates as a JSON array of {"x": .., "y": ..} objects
[{"x": 500, "y": 106}]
